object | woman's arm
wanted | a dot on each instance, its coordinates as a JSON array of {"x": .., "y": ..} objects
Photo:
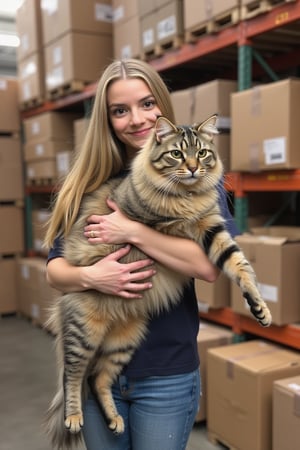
[
  {"x": 182, "y": 255},
  {"x": 107, "y": 275}
]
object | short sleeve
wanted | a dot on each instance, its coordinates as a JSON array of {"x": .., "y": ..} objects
[
  {"x": 230, "y": 223},
  {"x": 57, "y": 250}
]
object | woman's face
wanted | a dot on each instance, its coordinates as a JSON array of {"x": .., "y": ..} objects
[{"x": 132, "y": 111}]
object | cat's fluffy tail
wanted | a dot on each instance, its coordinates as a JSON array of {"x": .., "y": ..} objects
[{"x": 60, "y": 437}]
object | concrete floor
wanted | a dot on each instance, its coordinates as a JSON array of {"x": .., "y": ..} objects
[{"x": 27, "y": 383}]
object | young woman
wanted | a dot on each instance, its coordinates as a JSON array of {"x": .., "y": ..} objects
[{"x": 158, "y": 392}]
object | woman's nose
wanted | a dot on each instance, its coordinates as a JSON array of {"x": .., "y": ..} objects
[{"x": 137, "y": 117}]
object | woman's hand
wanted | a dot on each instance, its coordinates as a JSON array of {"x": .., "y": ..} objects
[
  {"x": 111, "y": 228},
  {"x": 107, "y": 275},
  {"x": 112, "y": 277}
]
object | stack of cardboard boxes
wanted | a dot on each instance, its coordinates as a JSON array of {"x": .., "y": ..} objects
[{"x": 11, "y": 194}]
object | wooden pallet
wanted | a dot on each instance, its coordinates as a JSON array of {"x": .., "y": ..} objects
[
  {"x": 18, "y": 202},
  {"x": 213, "y": 25},
  {"x": 66, "y": 89},
  {"x": 10, "y": 134},
  {"x": 174, "y": 43},
  {"x": 32, "y": 103},
  {"x": 42, "y": 182},
  {"x": 257, "y": 7},
  {"x": 215, "y": 440}
]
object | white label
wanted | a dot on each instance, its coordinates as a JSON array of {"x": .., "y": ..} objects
[
  {"x": 26, "y": 91},
  {"x": 166, "y": 27},
  {"x": 24, "y": 42},
  {"x": 35, "y": 311},
  {"x": 49, "y": 6},
  {"x": 25, "y": 272},
  {"x": 57, "y": 55},
  {"x": 268, "y": 292},
  {"x": 126, "y": 52},
  {"x": 118, "y": 13},
  {"x": 35, "y": 127},
  {"x": 63, "y": 162},
  {"x": 148, "y": 37},
  {"x": 55, "y": 78},
  {"x": 275, "y": 150},
  {"x": 294, "y": 386},
  {"x": 28, "y": 70},
  {"x": 39, "y": 150},
  {"x": 103, "y": 13},
  {"x": 3, "y": 84}
]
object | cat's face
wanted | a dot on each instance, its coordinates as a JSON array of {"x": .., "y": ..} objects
[{"x": 186, "y": 155}]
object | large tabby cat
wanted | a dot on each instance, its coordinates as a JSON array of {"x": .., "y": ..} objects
[{"x": 172, "y": 186}]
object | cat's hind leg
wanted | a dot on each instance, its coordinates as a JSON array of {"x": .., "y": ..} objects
[
  {"x": 82, "y": 335},
  {"x": 117, "y": 350}
]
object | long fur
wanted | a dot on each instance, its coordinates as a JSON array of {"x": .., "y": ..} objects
[{"x": 171, "y": 186}]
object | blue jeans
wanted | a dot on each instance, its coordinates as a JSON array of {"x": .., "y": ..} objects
[{"x": 158, "y": 412}]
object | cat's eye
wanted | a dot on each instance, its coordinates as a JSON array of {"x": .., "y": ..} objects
[
  {"x": 202, "y": 153},
  {"x": 176, "y": 154}
]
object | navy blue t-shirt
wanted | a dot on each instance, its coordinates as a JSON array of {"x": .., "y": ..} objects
[{"x": 170, "y": 347}]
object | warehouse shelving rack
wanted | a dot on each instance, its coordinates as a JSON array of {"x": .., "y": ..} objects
[{"x": 261, "y": 46}]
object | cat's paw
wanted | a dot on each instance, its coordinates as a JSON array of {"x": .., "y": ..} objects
[
  {"x": 116, "y": 425},
  {"x": 259, "y": 309},
  {"x": 74, "y": 423}
]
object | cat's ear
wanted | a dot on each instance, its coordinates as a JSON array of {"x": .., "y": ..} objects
[
  {"x": 163, "y": 128},
  {"x": 208, "y": 127}
]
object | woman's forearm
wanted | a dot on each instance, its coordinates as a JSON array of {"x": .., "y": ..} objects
[
  {"x": 183, "y": 255},
  {"x": 65, "y": 277}
]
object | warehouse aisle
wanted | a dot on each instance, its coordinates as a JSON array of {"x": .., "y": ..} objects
[{"x": 27, "y": 382}]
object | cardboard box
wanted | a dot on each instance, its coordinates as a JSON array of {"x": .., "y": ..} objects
[
  {"x": 11, "y": 230},
  {"x": 67, "y": 59},
  {"x": 147, "y": 6},
  {"x": 124, "y": 10},
  {"x": 286, "y": 414},
  {"x": 9, "y": 105},
  {"x": 34, "y": 293},
  {"x": 274, "y": 253},
  {"x": 41, "y": 170},
  {"x": 239, "y": 391},
  {"x": 183, "y": 102},
  {"x": 64, "y": 162},
  {"x": 90, "y": 16},
  {"x": 265, "y": 129},
  {"x": 45, "y": 149},
  {"x": 51, "y": 125},
  {"x": 216, "y": 96},
  {"x": 31, "y": 77},
  {"x": 198, "y": 13},
  {"x": 29, "y": 28},
  {"x": 39, "y": 219},
  {"x": 148, "y": 33},
  {"x": 209, "y": 336},
  {"x": 8, "y": 290},
  {"x": 213, "y": 295},
  {"x": 127, "y": 43},
  {"x": 11, "y": 169},
  {"x": 169, "y": 19}
]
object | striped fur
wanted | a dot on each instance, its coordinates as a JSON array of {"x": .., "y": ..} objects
[{"x": 173, "y": 187}]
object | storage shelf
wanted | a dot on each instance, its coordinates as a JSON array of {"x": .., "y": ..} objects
[
  {"x": 212, "y": 56},
  {"x": 286, "y": 335}
]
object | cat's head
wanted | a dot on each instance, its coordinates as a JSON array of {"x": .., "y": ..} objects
[{"x": 185, "y": 155}]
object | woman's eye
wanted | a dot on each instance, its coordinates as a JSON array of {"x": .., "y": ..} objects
[
  {"x": 176, "y": 154},
  {"x": 202, "y": 153},
  {"x": 118, "y": 111},
  {"x": 149, "y": 104}
]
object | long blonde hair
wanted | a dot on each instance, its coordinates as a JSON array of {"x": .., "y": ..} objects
[{"x": 101, "y": 155}]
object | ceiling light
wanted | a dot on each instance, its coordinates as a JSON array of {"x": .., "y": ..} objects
[{"x": 9, "y": 40}]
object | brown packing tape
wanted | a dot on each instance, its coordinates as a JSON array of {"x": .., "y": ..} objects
[
  {"x": 297, "y": 404},
  {"x": 231, "y": 362},
  {"x": 254, "y": 157},
  {"x": 255, "y": 101}
]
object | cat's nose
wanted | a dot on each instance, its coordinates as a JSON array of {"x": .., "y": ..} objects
[{"x": 192, "y": 169}]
